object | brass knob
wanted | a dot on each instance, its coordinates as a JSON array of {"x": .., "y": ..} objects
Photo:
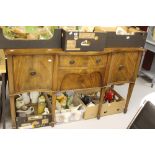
[
  {"x": 72, "y": 62},
  {"x": 98, "y": 61},
  {"x": 32, "y": 73},
  {"x": 121, "y": 67}
]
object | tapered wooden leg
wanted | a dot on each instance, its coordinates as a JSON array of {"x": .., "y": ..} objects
[
  {"x": 130, "y": 89},
  {"x": 53, "y": 108},
  {"x": 13, "y": 111},
  {"x": 101, "y": 102}
]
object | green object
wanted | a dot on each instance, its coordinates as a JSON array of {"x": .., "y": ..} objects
[
  {"x": 43, "y": 32},
  {"x": 31, "y": 29},
  {"x": 69, "y": 101}
]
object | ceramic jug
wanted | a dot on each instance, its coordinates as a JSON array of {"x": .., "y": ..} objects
[
  {"x": 34, "y": 97},
  {"x": 26, "y": 98}
]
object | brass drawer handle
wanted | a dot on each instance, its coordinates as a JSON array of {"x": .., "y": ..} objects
[
  {"x": 72, "y": 62},
  {"x": 121, "y": 67},
  {"x": 32, "y": 73},
  {"x": 98, "y": 61}
]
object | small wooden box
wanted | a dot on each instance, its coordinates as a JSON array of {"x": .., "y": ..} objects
[
  {"x": 83, "y": 41},
  {"x": 90, "y": 112},
  {"x": 113, "y": 107}
]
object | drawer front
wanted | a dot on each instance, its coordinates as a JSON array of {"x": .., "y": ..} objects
[
  {"x": 80, "y": 78},
  {"x": 73, "y": 61},
  {"x": 83, "y": 61},
  {"x": 32, "y": 72},
  {"x": 97, "y": 61},
  {"x": 122, "y": 67}
]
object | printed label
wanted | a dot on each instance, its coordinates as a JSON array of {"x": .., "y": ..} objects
[{"x": 86, "y": 35}]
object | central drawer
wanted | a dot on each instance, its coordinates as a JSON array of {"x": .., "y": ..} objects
[
  {"x": 83, "y": 61},
  {"x": 32, "y": 72}
]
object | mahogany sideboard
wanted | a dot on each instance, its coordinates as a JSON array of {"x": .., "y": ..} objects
[{"x": 52, "y": 70}]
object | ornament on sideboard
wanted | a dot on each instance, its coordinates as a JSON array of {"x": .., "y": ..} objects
[
  {"x": 26, "y": 98},
  {"x": 109, "y": 96},
  {"x": 34, "y": 97},
  {"x": 29, "y": 111},
  {"x": 19, "y": 102},
  {"x": 41, "y": 104}
]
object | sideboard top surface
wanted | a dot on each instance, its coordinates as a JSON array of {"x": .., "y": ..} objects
[{"x": 59, "y": 51}]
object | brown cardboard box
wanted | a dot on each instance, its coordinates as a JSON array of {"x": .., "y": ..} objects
[
  {"x": 90, "y": 112},
  {"x": 113, "y": 107},
  {"x": 107, "y": 108}
]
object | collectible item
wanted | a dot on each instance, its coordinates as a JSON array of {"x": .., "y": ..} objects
[
  {"x": 34, "y": 97},
  {"x": 109, "y": 96},
  {"x": 19, "y": 102},
  {"x": 26, "y": 98}
]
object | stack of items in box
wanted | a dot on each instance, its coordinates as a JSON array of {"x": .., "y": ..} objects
[
  {"x": 120, "y": 30},
  {"x": 90, "y": 99},
  {"x": 68, "y": 107},
  {"x": 28, "y": 32},
  {"x": 32, "y": 110}
]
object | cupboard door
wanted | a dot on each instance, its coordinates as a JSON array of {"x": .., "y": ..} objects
[
  {"x": 32, "y": 72},
  {"x": 122, "y": 67},
  {"x": 80, "y": 78}
]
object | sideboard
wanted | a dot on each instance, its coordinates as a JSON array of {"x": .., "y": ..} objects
[{"x": 52, "y": 70}]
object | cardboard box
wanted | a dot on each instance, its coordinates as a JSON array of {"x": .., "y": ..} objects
[
  {"x": 83, "y": 41},
  {"x": 35, "y": 121},
  {"x": 90, "y": 112},
  {"x": 69, "y": 115},
  {"x": 113, "y": 107}
]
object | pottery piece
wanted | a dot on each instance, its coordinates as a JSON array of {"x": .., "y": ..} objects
[
  {"x": 46, "y": 111},
  {"x": 34, "y": 97},
  {"x": 41, "y": 107},
  {"x": 59, "y": 118},
  {"x": 76, "y": 115},
  {"x": 29, "y": 111},
  {"x": 58, "y": 105},
  {"x": 75, "y": 108},
  {"x": 24, "y": 108},
  {"x": 41, "y": 99},
  {"x": 62, "y": 99},
  {"x": 19, "y": 102},
  {"x": 91, "y": 104},
  {"x": 67, "y": 116},
  {"x": 26, "y": 98}
]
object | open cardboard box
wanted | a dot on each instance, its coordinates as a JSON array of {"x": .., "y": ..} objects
[
  {"x": 114, "y": 107},
  {"x": 107, "y": 108},
  {"x": 90, "y": 112},
  {"x": 70, "y": 115}
]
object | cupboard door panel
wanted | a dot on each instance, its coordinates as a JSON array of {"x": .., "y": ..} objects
[
  {"x": 122, "y": 67},
  {"x": 32, "y": 72},
  {"x": 80, "y": 78}
]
